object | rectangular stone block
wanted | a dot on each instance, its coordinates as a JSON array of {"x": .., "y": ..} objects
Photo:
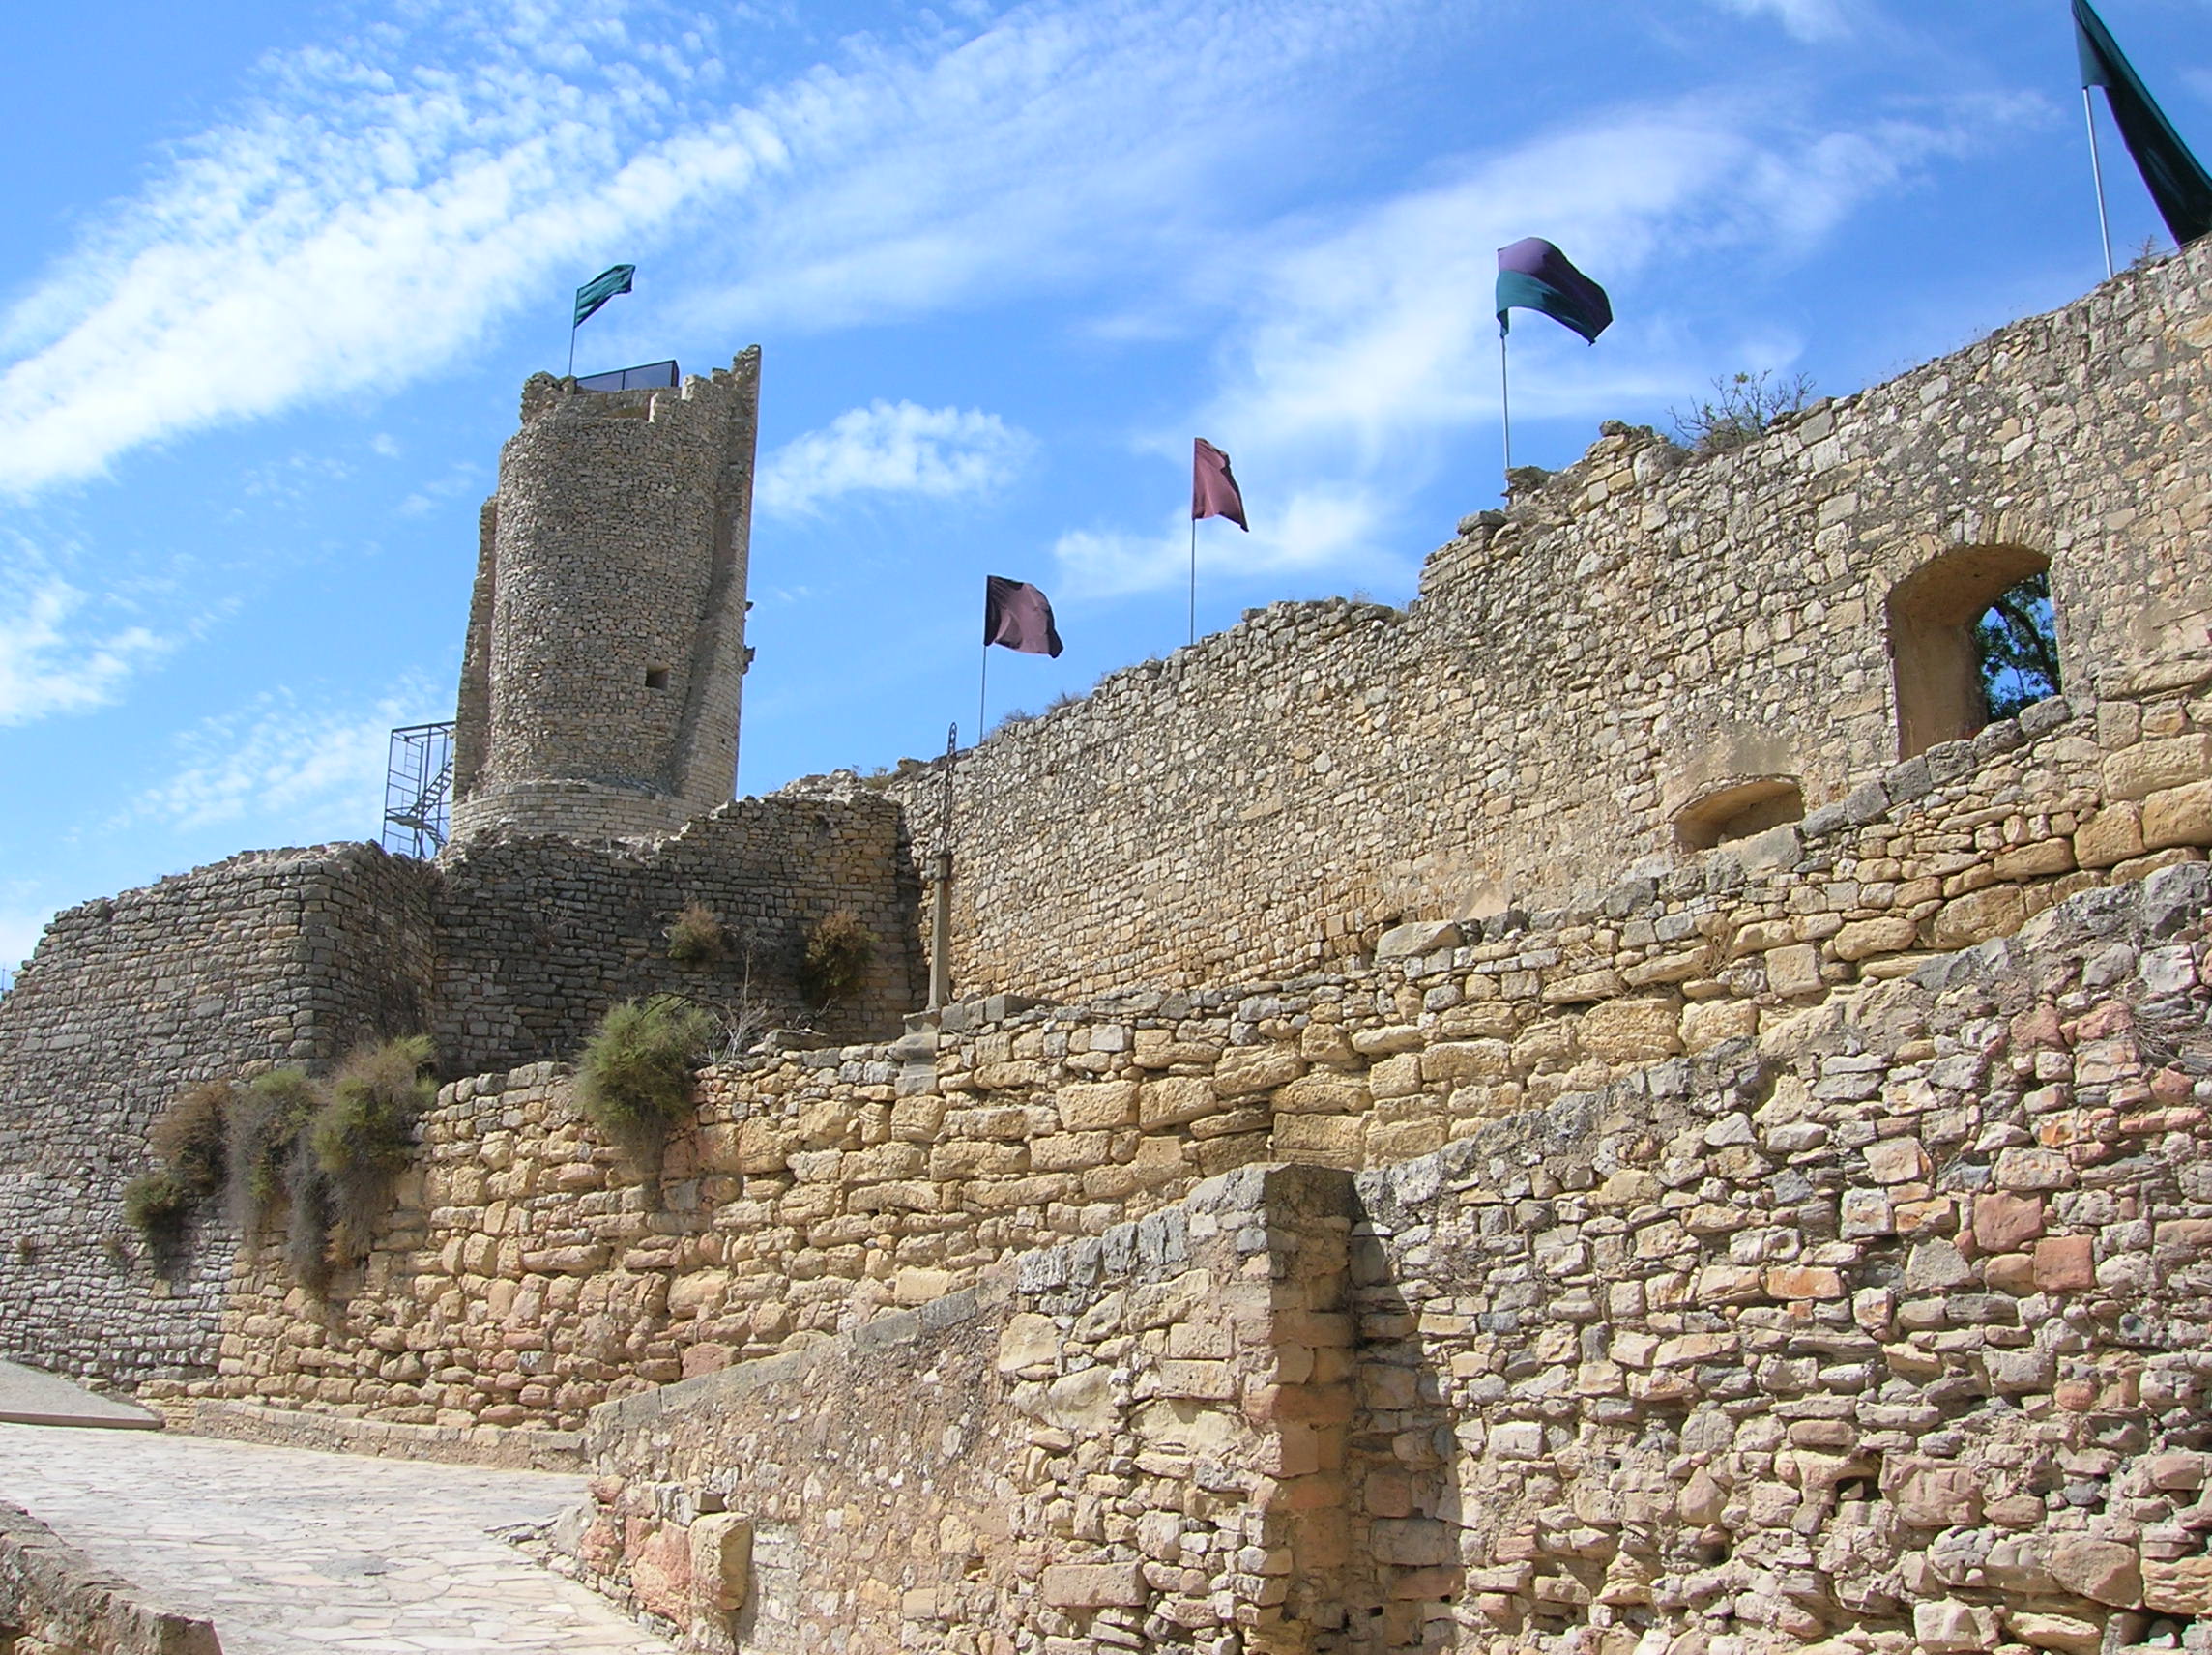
[
  {"x": 1099, "y": 1105},
  {"x": 2148, "y": 766},
  {"x": 2109, "y": 837},
  {"x": 1094, "y": 1586},
  {"x": 2178, "y": 816}
]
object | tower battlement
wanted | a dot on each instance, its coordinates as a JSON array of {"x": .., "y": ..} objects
[{"x": 606, "y": 656}]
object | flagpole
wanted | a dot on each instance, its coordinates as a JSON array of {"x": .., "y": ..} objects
[
  {"x": 1505, "y": 406},
  {"x": 2097, "y": 171},
  {"x": 573, "y": 327},
  {"x": 983, "y": 685},
  {"x": 1194, "y": 580}
]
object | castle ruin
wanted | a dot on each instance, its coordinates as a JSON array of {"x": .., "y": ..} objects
[{"x": 1603, "y": 1112}]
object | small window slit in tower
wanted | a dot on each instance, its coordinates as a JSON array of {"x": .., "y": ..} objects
[{"x": 657, "y": 677}]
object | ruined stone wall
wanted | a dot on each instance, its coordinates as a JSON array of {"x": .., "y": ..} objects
[
  {"x": 54, "y": 1599},
  {"x": 1888, "y": 1327},
  {"x": 273, "y": 957},
  {"x": 529, "y": 1273},
  {"x": 537, "y": 937},
  {"x": 1629, "y": 643},
  {"x": 605, "y": 649},
  {"x": 1066, "y": 1455}
]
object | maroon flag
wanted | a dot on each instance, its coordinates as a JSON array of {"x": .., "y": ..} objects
[
  {"x": 1213, "y": 491},
  {"x": 1017, "y": 615}
]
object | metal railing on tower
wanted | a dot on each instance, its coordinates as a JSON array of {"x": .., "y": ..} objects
[{"x": 418, "y": 788}]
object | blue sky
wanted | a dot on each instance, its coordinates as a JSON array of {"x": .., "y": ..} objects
[{"x": 277, "y": 272}]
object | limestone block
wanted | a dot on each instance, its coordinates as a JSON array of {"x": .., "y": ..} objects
[
  {"x": 2183, "y": 1586},
  {"x": 2103, "y": 1571},
  {"x": 1247, "y": 1069},
  {"x": 1794, "y": 971},
  {"x": 1094, "y": 1586},
  {"x": 2025, "y": 1168},
  {"x": 1405, "y": 1140},
  {"x": 1931, "y": 1494},
  {"x": 1323, "y": 1092},
  {"x": 1947, "y": 1626},
  {"x": 2148, "y": 766},
  {"x": 1028, "y": 1341},
  {"x": 660, "y": 1570},
  {"x": 1457, "y": 1063},
  {"x": 698, "y": 1292},
  {"x": 2178, "y": 816},
  {"x": 1580, "y": 988},
  {"x": 1396, "y": 1077},
  {"x": 1176, "y": 1101},
  {"x": 1080, "y": 1401},
  {"x": 914, "y": 1285},
  {"x": 2063, "y": 1634},
  {"x": 1100, "y": 1104},
  {"x": 722, "y": 1547},
  {"x": 1388, "y": 1041},
  {"x": 1706, "y": 1024},
  {"x": 1994, "y": 910},
  {"x": 1480, "y": 1020},
  {"x": 1887, "y": 935},
  {"x": 1630, "y": 1030},
  {"x": 2065, "y": 1263},
  {"x": 1414, "y": 940},
  {"x": 2004, "y": 1223},
  {"x": 2039, "y": 860},
  {"x": 709, "y": 1357},
  {"x": 1332, "y": 1140},
  {"x": 2113, "y": 835},
  {"x": 1414, "y": 1542}
]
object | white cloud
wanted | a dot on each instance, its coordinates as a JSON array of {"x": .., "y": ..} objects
[
  {"x": 1315, "y": 527},
  {"x": 1806, "y": 19},
  {"x": 305, "y": 774},
  {"x": 51, "y": 661},
  {"x": 891, "y": 448},
  {"x": 387, "y": 199}
]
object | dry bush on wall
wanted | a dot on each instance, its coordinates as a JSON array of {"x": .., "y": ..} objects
[
  {"x": 696, "y": 937},
  {"x": 835, "y": 965},
  {"x": 262, "y": 1127},
  {"x": 188, "y": 1144},
  {"x": 363, "y": 1135}
]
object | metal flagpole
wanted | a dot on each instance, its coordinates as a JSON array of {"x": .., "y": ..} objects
[
  {"x": 1194, "y": 580},
  {"x": 573, "y": 349},
  {"x": 982, "y": 684},
  {"x": 941, "y": 919},
  {"x": 2097, "y": 171},
  {"x": 1505, "y": 402}
]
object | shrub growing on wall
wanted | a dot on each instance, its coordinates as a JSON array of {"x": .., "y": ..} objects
[
  {"x": 835, "y": 965},
  {"x": 363, "y": 1133},
  {"x": 262, "y": 1127},
  {"x": 695, "y": 937},
  {"x": 156, "y": 1206},
  {"x": 188, "y": 1144},
  {"x": 633, "y": 1078}
]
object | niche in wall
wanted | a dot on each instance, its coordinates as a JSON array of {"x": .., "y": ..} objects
[
  {"x": 1935, "y": 650},
  {"x": 1737, "y": 809}
]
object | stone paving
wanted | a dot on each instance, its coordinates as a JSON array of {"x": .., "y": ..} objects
[{"x": 288, "y": 1550}]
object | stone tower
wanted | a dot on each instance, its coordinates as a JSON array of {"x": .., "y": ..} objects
[{"x": 607, "y": 642}]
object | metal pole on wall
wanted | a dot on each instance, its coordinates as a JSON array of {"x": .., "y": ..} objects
[
  {"x": 1506, "y": 404},
  {"x": 2097, "y": 172},
  {"x": 1194, "y": 580},
  {"x": 983, "y": 688},
  {"x": 941, "y": 917},
  {"x": 573, "y": 349}
]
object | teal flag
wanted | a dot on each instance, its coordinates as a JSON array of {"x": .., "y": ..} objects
[
  {"x": 2172, "y": 174},
  {"x": 599, "y": 289}
]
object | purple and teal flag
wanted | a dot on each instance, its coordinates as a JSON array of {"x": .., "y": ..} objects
[
  {"x": 1019, "y": 617},
  {"x": 1533, "y": 274},
  {"x": 2176, "y": 181}
]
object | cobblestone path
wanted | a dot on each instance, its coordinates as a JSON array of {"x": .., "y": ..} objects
[{"x": 288, "y": 1550}]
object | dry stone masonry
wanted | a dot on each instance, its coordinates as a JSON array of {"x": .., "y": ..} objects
[{"x": 1604, "y": 1114}]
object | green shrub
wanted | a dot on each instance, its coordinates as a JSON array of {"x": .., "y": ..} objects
[
  {"x": 835, "y": 964},
  {"x": 695, "y": 937},
  {"x": 262, "y": 1124},
  {"x": 188, "y": 1137},
  {"x": 157, "y": 1205},
  {"x": 1744, "y": 406},
  {"x": 361, "y": 1136},
  {"x": 307, "y": 1221},
  {"x": 633, "y": 1078}
]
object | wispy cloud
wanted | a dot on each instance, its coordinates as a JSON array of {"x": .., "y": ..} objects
[
  {"x": 892, "y": 448},
  {"x": 1321, "y": 526},
  {"x": 1806, "y": 19},
  {"x": 302, "y": 773},
  {"x": 52, "y": 659},
  {"x": 386, "y": 199}
]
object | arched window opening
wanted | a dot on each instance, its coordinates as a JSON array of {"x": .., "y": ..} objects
[
  {"x": 1969, "y": 632},
  {"x": 1737, "y": 810},
  {"x": 2017, "y": 637}
]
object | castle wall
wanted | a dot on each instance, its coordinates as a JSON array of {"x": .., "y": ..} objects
[
  {"x": 1887, "y": 1328},
  {"x": 537, "y": 937},
  {"x": 605, "y": 654},
  {"x": 273, "y": 957},
  {"x": 820, "y": 1188},
  {"x": 1639, "y": 633}
]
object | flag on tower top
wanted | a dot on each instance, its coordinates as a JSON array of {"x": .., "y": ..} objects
[
  {"x": 614, "y": 279},
  {"x": 1213, "y": 491},
  {"x": 1533, "y": 274},
  {"x": 1018, "y": 615},
  {"x": 2176, "y": 181}
]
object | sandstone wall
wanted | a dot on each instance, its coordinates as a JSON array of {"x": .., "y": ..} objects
[
  {"x": 273, "y": 957},
  {"x": 1886, "y": 1328},
  {"x": 529, "y": 1273},
  {"x": 1632, "y": 640}
]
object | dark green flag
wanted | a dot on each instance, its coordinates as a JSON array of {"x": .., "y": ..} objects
[
  {"x": 2176, "y": 181},
  {"x": 599, "y": 289}
]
